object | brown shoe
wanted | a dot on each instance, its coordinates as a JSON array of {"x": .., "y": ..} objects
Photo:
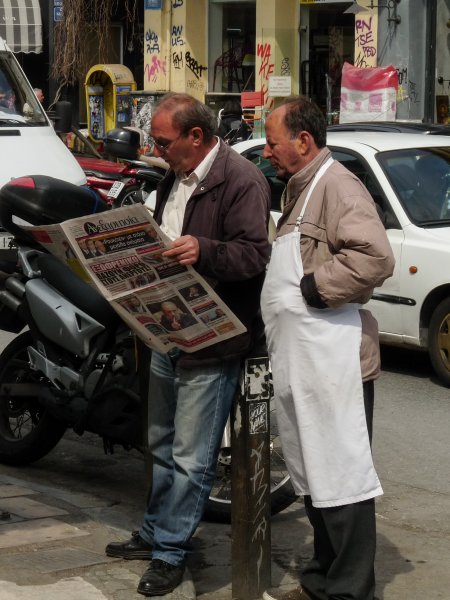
[
  {"x": 133, "y": 549},
  {"x": 278, "y": 594}
]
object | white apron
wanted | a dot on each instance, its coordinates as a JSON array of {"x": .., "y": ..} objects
[{"x": 315, "y": 359}]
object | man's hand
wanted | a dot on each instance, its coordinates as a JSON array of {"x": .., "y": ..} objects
[{"x": 185, "y": 250}]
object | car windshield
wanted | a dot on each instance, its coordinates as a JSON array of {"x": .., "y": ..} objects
[
  {"x": 421, "y": 180},
  {"x": 19, "y": 106}
]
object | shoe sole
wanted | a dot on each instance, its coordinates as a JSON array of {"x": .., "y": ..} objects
[
  {"x": 130, "y": 555},
  {"x": 157, "y": 592}
]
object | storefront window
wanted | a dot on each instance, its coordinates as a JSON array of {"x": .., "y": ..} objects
[{"x": 231, "y": 46}]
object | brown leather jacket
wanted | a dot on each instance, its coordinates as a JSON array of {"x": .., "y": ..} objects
[
  {"x": 228, "y": 213},
  {"x": 343, "y": 244}
]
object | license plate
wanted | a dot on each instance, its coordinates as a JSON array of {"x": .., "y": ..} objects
[
  {"x": 115, "y": 189},
  {"x": 6, "y": 241}
]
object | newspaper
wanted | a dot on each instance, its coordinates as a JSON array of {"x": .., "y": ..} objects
[{"x": 120, "y": 251}]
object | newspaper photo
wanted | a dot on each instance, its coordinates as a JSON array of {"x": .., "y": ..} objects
[{"x": 120, "y": 251}]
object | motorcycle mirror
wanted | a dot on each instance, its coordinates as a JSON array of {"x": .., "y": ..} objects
[{"x": 63, "y": 117}]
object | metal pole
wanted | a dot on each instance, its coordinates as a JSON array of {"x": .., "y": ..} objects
[
  {"x": 430, "y": 61},
  {"x": 250, "y": 476}
]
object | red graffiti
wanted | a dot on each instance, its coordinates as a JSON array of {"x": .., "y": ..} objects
[
  {"x": 266, "y": 68},
  {"x": 152, "y": 71}
]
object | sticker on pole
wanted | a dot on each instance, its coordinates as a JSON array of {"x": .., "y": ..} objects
[
  {"x": 257, "y": 379},
  {"x": 257, "y": 417}
]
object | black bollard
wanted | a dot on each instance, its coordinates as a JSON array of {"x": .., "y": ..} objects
[{"x": 250, "y": 472}]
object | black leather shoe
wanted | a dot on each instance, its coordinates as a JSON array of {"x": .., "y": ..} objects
[
  {"x": 133, "y": 549},
  {"x": 160, "y": 578}
]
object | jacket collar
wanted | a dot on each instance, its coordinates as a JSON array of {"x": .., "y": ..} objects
[
  {"x": 215, "y": 175},
  {"x": 298, "y": 182}
]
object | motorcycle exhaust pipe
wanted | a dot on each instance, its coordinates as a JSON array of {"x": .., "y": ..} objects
[
  {"x": 10, "y": 301},
  {"x": 15, "y": 286}
]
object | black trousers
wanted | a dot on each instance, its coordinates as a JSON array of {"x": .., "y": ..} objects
[{"x": 342, "y": 567}]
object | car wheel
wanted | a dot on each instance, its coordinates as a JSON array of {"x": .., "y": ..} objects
[{"x": 439, "y": 341}]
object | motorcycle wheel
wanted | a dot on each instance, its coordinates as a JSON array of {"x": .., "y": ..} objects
[
  {"x": 282, "y": 495},
  {"x": 27, "y": 430},
  {"x": 131, "y": 194}
]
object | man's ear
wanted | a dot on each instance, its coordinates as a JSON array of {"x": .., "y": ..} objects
[
  {"x": 197, "y": 135},
  {"x": 304, "y": 142}
]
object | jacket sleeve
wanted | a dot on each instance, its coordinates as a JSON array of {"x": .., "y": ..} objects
[
  {"x": 361, "y": 256},
  {"x": 243, "y": 250}
]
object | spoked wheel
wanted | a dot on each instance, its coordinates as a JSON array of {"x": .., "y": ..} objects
[
  {"x": 282, "y": 494},
  {"x": 27, "y": 430},
  {"x": 131, "y": 194}
]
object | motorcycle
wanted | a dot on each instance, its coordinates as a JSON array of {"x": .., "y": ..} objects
[
  {"x": 75, "y": 365},
  {"x": 121, "y": 184}
]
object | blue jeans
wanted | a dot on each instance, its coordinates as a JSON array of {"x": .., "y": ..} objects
[{"x": 188, "y": 411}]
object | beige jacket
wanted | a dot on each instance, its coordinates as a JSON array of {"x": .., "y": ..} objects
[{"x": 343, "y": 243}]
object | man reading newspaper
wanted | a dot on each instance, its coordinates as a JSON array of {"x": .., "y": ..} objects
[{"x": 214, "y": 205}]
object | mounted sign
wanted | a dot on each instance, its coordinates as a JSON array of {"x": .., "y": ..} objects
[
  {"x": 153, "y": 4},
  {"x": 280, "y": 86}
]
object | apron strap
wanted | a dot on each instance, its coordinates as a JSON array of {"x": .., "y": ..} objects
[{"x": 315, "y": 181}]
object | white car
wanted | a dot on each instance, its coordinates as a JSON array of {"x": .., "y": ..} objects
[{"x": 408, "y": 175}]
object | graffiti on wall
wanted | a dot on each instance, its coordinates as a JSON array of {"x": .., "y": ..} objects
[
  {"x": 407, "y": 89},
  {"x": 177, "y": 36},
  {"x": 267, "y": 68},
  {"x": 152, "y": 42},
  {"x": 194, "y": 66},
  {"x": 365, "y": 43},
  {"x": 285, "y": 67},
  {"x": 155, "y": 69},
  {"x": 162, "y": 55}
]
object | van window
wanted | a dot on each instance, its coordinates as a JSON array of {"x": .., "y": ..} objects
[{"x": 18, "y": 104}]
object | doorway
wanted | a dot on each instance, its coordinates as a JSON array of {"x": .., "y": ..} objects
[{"x": 326, "y": 42}]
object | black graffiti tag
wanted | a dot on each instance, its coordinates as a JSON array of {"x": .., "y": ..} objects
[{"x": 194, "y": 66}]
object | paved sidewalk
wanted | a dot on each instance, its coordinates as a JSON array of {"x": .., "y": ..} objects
[{"x": 52, "y": 547}]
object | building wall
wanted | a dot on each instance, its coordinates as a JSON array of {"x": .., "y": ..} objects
[
  {"x": 178, "y": 37},
  {"x": 277, "y": 44},
  {"x": 404, "y": 46},
  {"x": 175, "y": 48}
]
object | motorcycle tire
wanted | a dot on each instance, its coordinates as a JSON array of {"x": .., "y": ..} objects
[
  {"x": 282, "y": 495},
  {"x": 27, "y": 430},
  {"x": 131, "y": 194}
]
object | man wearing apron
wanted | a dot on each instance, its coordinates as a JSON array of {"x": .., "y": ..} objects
[{"x": 330, "y": 252}]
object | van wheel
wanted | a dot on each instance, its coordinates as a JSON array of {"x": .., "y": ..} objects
[{"x": 439, "y": 341}]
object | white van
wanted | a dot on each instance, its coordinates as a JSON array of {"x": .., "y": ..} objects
[{"x": 29, "y": 144}]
